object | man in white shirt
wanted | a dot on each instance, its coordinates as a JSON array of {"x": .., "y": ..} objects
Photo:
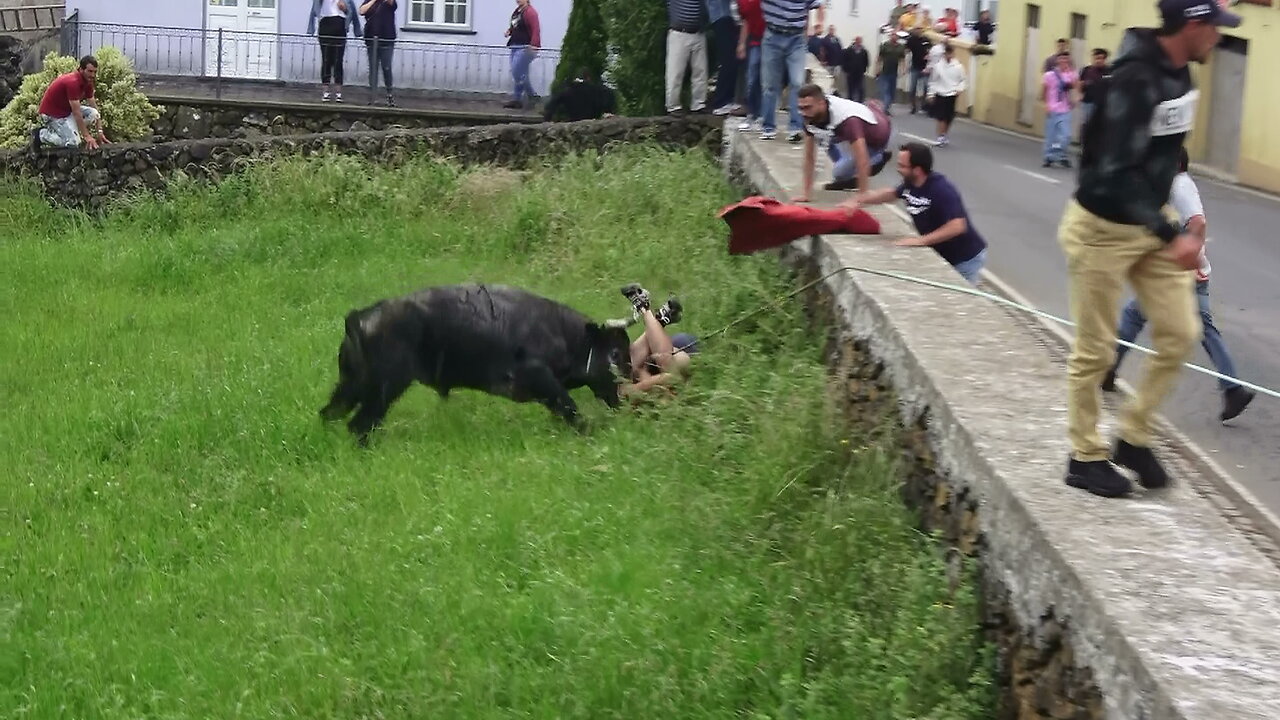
[
  {"x": 856, "y": 136},
  {"x": 946, "y": 82},
  {"x": 1185, "y": 199}
]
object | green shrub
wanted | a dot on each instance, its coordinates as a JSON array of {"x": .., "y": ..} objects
[
  {"x": 126, "y": 112},
  {"x": 585, "y": 43}
]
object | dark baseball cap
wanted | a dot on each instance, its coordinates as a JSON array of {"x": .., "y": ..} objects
[{"x": 1179, "y": 12}]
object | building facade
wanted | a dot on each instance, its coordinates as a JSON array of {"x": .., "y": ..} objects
[
  {"x": 451, "y": 45},
  {"x": 1240, "y": 90}
]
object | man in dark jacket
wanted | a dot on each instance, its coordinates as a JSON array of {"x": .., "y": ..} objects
[
  {"x": 1115, "y": 228},
  {"x": 856, "y": 62}
]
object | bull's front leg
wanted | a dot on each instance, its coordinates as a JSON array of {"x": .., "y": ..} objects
[
  {"x": 536, "y": 381},
  {"x": 607, "y": 391},
  {"x": 374, "y": 407}
]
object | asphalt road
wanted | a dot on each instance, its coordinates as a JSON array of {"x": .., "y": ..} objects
[{"x": 1016, "y": 204}]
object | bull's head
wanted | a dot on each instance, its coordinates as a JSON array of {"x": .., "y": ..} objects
[
  {"x": 353, "y": 363},
  {"x": 612, "y": 344}
]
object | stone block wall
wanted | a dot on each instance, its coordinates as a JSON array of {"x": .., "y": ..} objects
[
  {"x": 89, "y": 179},
  {"x": 191, "y": 120}
]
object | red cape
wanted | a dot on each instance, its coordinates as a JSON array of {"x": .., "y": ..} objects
[{"x": 759, "y": 223}]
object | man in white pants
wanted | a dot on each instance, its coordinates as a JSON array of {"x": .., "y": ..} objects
[
  {"x": 686, "y": 46},
  {"x": 67, "y": 110}
]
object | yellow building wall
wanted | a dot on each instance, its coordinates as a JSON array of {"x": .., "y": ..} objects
[{"x": 999, "y": 94}]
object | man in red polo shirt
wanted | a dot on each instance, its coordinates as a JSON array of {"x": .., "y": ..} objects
[{"x": 68, "y": 108}]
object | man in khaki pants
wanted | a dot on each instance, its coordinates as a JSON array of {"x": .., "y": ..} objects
[{"x": 1117, "y": 227}]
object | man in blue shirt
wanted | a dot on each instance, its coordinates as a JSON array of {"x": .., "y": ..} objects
[
  {"x": 936, "y": 209},
  {"x": 786, "y": 27}
]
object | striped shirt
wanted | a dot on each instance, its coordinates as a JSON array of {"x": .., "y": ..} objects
[
  {"x": 788, "y": 13},
  {"x": 685, "y": 14}
]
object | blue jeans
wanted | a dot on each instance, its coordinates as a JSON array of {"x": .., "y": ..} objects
[
  {"x": 380, "y": 53},
  {"x": 779, "y": 51},
  {"x": 970, "y": 269},
  {"x": 1057, "y": 136},
  {"x": 521, "y": 59},
  {"x": 753, "y": 81},
  {"x": 888, "y": 88},
  {"x": 918, "y": 78},
  {"x": 1132, "y": 321}
]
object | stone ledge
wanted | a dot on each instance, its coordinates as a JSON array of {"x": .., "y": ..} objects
[
  {"x": 1162, "y": 604},
  {"x": 90, "y": 178}
]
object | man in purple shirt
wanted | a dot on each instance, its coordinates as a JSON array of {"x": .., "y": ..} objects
[{"x": 936, "y": 209}]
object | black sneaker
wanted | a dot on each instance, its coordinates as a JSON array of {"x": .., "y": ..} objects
[
  {"x": 1098, "y": 477},
  {"x": 1234, "y": 401},
  {"x": 1143, "y": 462},
  {"x": 1109, "y": 382},
  {"x": 637, "y": 296},
  {"x": 1065, "y": 163},
  {"x": 1047, "y": 163},
  {"x": 670, "y": 312},
  {"x": 845, "y": 184}
]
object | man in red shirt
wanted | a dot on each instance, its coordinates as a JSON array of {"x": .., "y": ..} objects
[{"x": 68, "y": 108}]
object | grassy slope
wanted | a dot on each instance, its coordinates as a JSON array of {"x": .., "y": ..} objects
[{"x": 180, "y": 537}]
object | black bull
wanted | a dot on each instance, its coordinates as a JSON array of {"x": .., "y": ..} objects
[{"x": 497, "y": 339}]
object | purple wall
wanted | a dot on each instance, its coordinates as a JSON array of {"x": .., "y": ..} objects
[{"x": 167, "y": 38}]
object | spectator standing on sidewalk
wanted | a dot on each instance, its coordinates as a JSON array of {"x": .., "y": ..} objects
[
  {"x": 1089, "y": 78},
  {"x": 749, "y": 39},
  {"x": 783, "y": 47},
  {"x": 1064, "y": 48},
  {"x": 725, "y": 31},
  {"x": 686, "y": 48},
  {"x": 936, "y": 210},
  {"x": 918, "y": 46},
  {"x": 1059, "y": 94},
  {"x": 380, "y": 41},
  {"x": 1185, "y": 199},
  {"x": 1115, "y": 229},
  {"x": 524, "y": 38},
  {"x": 888, "y": 67},
  {"x": 856, "y": 63},
  {"x": 337, "y": 18},
  {"x": 948, "y": 81}
]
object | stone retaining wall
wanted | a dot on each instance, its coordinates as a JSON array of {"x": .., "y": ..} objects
[
  {"x": 89, "y": 179},
  {"x": 188, "y": 119}
]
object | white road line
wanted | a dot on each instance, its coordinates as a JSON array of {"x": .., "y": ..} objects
[
  {"x": 1035, "y": 175},
  {"x": 917, "y": 138}
]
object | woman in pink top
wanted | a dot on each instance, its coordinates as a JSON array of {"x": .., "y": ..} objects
[{"x": 1059, "y": 95}]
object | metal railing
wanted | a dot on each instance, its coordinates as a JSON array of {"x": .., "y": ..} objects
[
  {"x": 229, "y": 54},
  {"x": 30, "y": 18}
]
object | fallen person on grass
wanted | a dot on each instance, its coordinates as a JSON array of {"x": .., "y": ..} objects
[{"x": 658, "y": 360}]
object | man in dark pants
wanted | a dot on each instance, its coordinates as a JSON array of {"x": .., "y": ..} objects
[
  {"x": 1115, "y": 229},
  {"x": 725, "y": 31},
  {"x": 856, "y": 62}
]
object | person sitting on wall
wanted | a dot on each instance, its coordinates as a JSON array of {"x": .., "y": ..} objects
[
  {"x": 68, "y": 108},
  {"x": 582, "y": 98}
]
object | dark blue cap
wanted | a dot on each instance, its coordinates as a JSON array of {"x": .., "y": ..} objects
[
  {"x": 685, "y": 342},
  {"x": 1214, "y": 12}
]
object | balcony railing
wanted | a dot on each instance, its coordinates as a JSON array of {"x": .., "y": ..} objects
[{"x": 227, "y": 54}]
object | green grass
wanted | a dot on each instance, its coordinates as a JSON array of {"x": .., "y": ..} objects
[{"x": 180, "y": 537}]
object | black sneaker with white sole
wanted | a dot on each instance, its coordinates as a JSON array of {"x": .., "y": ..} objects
[
  {"x": 670, "y": 312},
  {"x": 1098, "y": 477},
  {"x": 637, "y": 296},
  {"x": 1109, "y": 382},
  {"x": 1141, "y": 460}
]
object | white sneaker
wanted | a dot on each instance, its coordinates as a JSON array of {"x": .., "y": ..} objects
[
  {"x": 722, "y": 110},
  {"x": 325, "y": 97},
  {"x": 748, "y": 124},
  {"x": 337, "y": 97},
  {"x": 768, "y": 134}
]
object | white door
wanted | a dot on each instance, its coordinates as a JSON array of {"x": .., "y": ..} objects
[
  {"x": 1032, "y": 68},
  {"x": 249, "y": 41},
  {"x": 1226, "y": 112}
]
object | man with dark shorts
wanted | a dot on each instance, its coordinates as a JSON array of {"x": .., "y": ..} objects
[{"x": 857, "y": 137}]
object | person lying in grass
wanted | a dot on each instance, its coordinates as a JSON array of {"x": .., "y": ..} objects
[{"x": 658, "y": 360}]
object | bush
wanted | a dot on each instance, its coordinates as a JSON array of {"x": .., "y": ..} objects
[
  {"x": 637, "y": 36},
  {"x": 126, "y": 112},
  {"x": 585, "y": 43}
]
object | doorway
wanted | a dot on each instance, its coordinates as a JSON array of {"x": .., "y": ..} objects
[
  {"x": 1032, "y": 67},
  {"x": 1230, "y": 60},
  {"x": 249, "y": 38}
]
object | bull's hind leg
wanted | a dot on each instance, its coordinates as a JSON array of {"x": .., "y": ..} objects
[{"x": 536, "y": 381}]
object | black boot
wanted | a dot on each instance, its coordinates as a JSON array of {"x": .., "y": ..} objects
[
  {"x": 670, "y": 312},
  {"x": 1109, "y": 382},
  {"x": 1098, "y": 477},
  {"x": 637, "y": 296},
  {"x": 1142, "y": 461},
  {"x": 1234, "y": 401}
]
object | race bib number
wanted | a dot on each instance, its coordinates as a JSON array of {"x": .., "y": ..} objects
[{"x": 1175, "y": 117}]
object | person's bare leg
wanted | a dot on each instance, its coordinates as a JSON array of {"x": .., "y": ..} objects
[
  {"x": 639, "y": 352},
  {"x": 659, "y": 342}
]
